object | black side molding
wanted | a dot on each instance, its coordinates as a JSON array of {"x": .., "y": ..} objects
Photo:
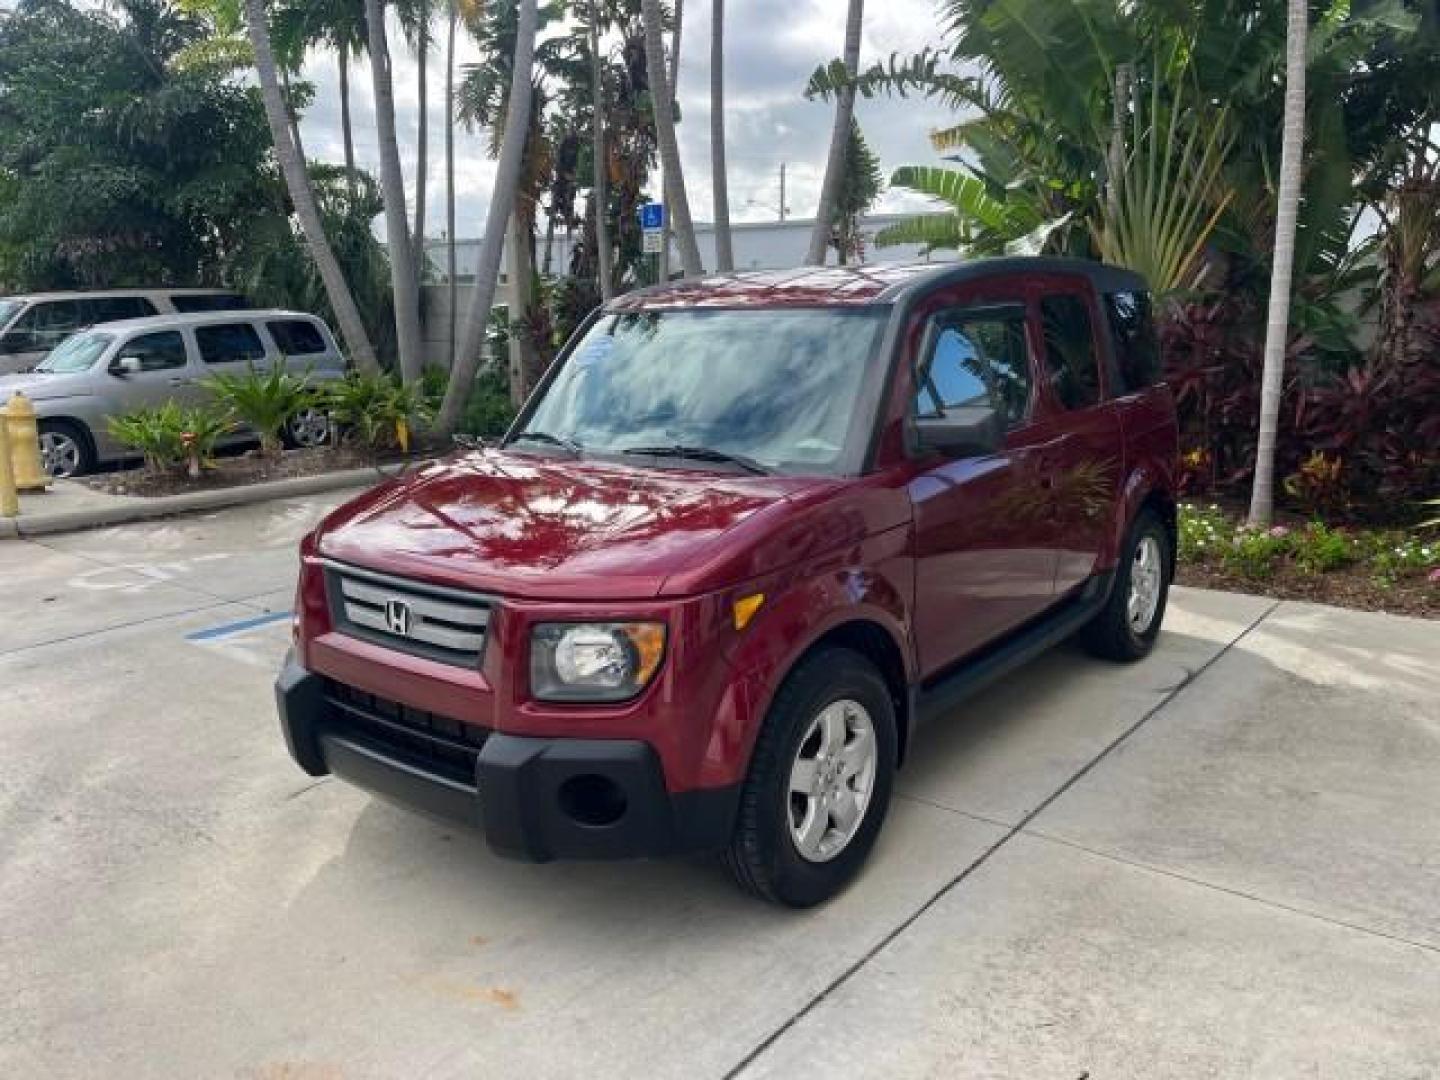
[{"x": 974, "y": 674}]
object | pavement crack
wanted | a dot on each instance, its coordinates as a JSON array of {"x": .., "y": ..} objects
[{"x": 875, "y": 950}]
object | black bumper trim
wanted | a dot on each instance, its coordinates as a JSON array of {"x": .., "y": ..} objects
[{"x": 517, "y": 794}]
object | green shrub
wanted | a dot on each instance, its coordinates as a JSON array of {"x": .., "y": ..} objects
[
  {"x": 1320, "y": 549},
  {"x": 1203, "y": 532},
  {"x": 265, "y": 401},
  {"x": 170, "y": 437},
  {"x": 377, "y": 411},
  {"x": 1256, "y": 553}
]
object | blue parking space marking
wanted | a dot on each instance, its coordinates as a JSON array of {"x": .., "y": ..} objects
[{"x": 231, "y": 629}]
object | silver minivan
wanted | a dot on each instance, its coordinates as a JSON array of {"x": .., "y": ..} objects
[
  {"x": 142, "y": 363},
  {"x": 32, "y": 325}
]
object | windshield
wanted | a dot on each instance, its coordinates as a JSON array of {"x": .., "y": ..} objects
[
  {"x": 8, "y": 309},
  {"x": 77, "y": 354},
  {"x": 775, "y": 388}
]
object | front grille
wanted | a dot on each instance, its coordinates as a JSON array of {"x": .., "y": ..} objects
[
  {"x": 424, "y": 620},
  {"x": 435, "y": 744}
]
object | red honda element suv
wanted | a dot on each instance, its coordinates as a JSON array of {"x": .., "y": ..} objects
[{"x": 750, "y": 532}]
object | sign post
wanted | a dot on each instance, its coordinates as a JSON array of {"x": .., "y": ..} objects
[{"x": 652, "y": 226}]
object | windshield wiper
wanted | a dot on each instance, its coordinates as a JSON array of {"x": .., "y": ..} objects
[
  {"x": 551, "y": 440},
  {"x": 702, "y": 453}
]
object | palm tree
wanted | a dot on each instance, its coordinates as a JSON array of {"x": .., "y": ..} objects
[
  {"x": 451, "y": 261},
  {"x": 1277, "y": 331},
  {"x": 666, "y": 192},
  {"x": 669, "y": 148},
  {"x": 392, "y": 182},
  {"x": 302, "y": 195},
  {"x": 502, "y": 204},
  {"x": 604, "y": 254},
  {"x": 839, "y": 140},
  {"x": 724, "y": 246},
  {"x": 415, "y": 21}
]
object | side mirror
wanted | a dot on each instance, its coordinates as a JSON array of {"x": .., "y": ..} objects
[
  {"x": 125, "y": 366},
  {"x": 973, "y": 431}
]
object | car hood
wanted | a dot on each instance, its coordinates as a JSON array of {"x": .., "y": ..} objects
[
  {"x": 532, "y": 527},
  {"x": 41, "y": 387}
]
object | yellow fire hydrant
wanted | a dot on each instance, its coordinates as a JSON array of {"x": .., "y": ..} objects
[{"x": 23, "y": 435}]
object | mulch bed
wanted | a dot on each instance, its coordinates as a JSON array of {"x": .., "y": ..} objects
[
  {"x": 241, "y": 470},
  {"x": 1354, "y": 588}
]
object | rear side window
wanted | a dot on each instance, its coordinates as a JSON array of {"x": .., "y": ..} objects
[
  {"x": 230, "y": 343},
  {"x": 978, "y": 358},
  {"x": 1070, "y": 351},
  {"x": 156, "y": 352},
  {"x": 296, "y": 337},
  {"x": 197, "y": 305},
  {"x": 52, "y": 317},
  {"x": 1137, "y": 345},
  {"x": 103, "y": 309}
]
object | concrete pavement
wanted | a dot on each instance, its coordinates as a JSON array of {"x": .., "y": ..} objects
[{"x": 1221, "y": 862}]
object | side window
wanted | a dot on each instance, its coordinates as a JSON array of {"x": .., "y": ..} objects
[
  {"x": 196, "y": 305},
  {"x": 1070, "y": 351},
  {"x": 44, "y": 326},
  {"x": 105, "y": 309},
  {"x": 157, "y": 352},
  {"x": 295, "y": 337},
  {"x": 979, "y": 359},
  {"x": 1137, "y": 345},
  {"x": 229, "y": 343}
]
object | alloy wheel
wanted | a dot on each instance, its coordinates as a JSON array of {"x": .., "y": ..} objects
[
  {"x": 831, "y": 780},
  {"x": 1146, "y": 585}
]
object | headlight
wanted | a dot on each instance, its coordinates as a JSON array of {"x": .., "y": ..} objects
[{"x": 594, "y": 662}]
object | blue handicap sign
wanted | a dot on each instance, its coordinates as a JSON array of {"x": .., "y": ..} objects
[{"x": 652, "y": 216}]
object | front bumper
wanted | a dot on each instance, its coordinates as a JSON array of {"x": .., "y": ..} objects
[{"x": 535, "y": 799}]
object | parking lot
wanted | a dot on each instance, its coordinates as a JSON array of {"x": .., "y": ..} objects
[{"x": 1224, "y": 861}]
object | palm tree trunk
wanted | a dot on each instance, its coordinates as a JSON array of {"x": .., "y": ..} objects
[
  {"x": 669, "y": 148},
  {"x": 839, "y": 140},
  {"x": 297, "y": 182},
  {"x": 603, "y": 253},
  {"x": 392, "y": 184},
  {"x": 1277, "y": 332},
  {"x": 666, "y": 192},
  {"x": 347, "y": 126},
  {"x": 724, "y": 246},
  {"x": 502, "y": 204},
  {"x": 522, "y": 278},
  {"x": 422, "y": 140},
  {"x": 451, "y": 258}
]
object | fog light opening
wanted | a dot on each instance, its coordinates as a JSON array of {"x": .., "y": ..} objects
[{"x": 592, "y": 801}]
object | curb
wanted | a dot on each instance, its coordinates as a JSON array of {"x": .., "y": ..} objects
[{"x": 137, "y": 509}]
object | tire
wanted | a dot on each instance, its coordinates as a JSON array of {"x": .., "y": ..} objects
[
  {"x": 66, "y": 449},
  {"x": 832, "y": 687},
  {"x": 307, "y": 430},
  {"x": 1127, "y": 627}
]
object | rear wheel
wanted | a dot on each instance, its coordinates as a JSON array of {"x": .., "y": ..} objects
[
  {"x": 308, "y": 429},
  {"x": 65, "y": 449},
  {"x": 819, "y": 784},
  {"x": 1127, "y": 627}
]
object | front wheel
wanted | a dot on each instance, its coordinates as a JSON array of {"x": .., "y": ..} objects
[
  {"x": 65, "y": 449},
  {"x": 308, "y": 429},
  {"x": 1127, "y": 627},
  {"x": 819, "y": 784}
]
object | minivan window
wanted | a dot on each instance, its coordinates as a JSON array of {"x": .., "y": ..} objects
[
  {"x": 1070, "y": 351},
  {"x": 105, "y": 309},
  {"x": 296, "y": 337},
  {"x": 1137, "y": 345},
  {"x": 162, "y": 351},
  {"x": 978, "y": 358},
  {"x": 8, "y": 309},
  {"x": 780, "y": 388},
  {"x": 77, "y": 354},
  {"x": 198, "y": 305},
  {"x": 42, "y": 327},
  {"x": 229, "y": 343}
]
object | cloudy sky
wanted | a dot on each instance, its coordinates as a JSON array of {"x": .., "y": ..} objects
[{"x": 772, "y": 47}]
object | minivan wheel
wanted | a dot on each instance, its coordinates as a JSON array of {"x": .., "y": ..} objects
[
  {"x": 1127, "y": 627},
  {"x": 819, "y": 784},
  {"x": 65, "y": 449},
  {"x": 308, "y": 429}
]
